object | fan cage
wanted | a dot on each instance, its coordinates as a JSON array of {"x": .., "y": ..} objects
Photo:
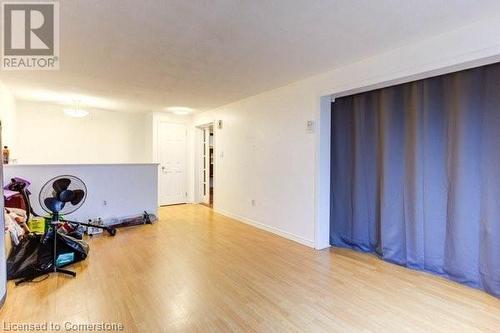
[{"x": 48, "y": 191}]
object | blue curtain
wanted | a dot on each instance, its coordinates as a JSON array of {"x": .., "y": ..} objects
[{"x": 415, "y": 175}]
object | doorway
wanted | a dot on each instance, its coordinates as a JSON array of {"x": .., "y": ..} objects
[
  {"x": 172, "y": 158},
  {"x": 206, "y": 163}
]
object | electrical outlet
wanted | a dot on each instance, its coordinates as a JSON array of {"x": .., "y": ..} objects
[
  {"x": 253, "y": 202},
  {"x": 105, "y": 203}
]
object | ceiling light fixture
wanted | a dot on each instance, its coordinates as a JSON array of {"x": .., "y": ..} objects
[
  {"x": 76, "y": 112},
  {"x": 180, "y": 110}
]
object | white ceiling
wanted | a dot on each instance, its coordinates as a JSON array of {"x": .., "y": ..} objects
[{"x": 143, "y": 55}]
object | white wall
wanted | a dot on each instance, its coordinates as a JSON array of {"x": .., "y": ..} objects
[
  {"x": 8, "y": 117},
  {"x": 128, "y": 189},
  {"x": 269, "y": 157},
  {"x": 46, "y": 135}
]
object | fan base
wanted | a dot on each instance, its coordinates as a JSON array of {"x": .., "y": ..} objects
[{"x": 57, "y": 270}]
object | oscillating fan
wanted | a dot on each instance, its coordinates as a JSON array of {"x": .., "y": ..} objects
[{"x": 61, "y": 196}]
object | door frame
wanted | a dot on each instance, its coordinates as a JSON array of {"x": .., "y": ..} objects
[
  {"x": 186, "y": 155},
  {"x": 198, "y": 160}
]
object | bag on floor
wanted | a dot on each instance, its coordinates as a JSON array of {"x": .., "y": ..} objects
[
  {"x": 33, "y": 255},
  {"x": 23, "y": 258}
]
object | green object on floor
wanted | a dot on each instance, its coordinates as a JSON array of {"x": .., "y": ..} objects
[{"x": 37, "y": 225}]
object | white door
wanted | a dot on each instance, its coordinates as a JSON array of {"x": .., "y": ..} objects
[
  {"x": 172, "y": 158},
  {"x": 205, "y": 198}
]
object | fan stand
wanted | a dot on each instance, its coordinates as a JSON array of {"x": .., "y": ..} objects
[{"x": 54, "y": 223}]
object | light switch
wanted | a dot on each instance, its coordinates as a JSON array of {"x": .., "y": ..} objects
[{"x": 310, "y": 126}]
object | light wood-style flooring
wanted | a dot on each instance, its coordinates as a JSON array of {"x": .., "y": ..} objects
[{"x": 197, "y": 271}]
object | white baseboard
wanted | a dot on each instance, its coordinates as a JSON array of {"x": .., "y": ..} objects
[
  {"x": 262, "y": 226},
  {"x": 322, "y": 246}
]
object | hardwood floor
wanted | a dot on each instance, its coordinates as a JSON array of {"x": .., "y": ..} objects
[{"x": 195, "y": 270}]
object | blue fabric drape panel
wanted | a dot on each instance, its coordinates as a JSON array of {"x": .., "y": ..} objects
[{"x": 416, "y": 175}]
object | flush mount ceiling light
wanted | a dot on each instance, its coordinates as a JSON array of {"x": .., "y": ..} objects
[
  {"x": 66, "y": 98},
  {"x": 76, "y": 111},
  {"x": 180, "y": 110}
]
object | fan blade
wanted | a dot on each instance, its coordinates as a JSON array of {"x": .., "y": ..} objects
[
  {"x": 53, "y": 204},
  {"x": 66, "y": 196},
  {"x": 61, "y": 184},
  {"x": 78, "y": 196}
]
